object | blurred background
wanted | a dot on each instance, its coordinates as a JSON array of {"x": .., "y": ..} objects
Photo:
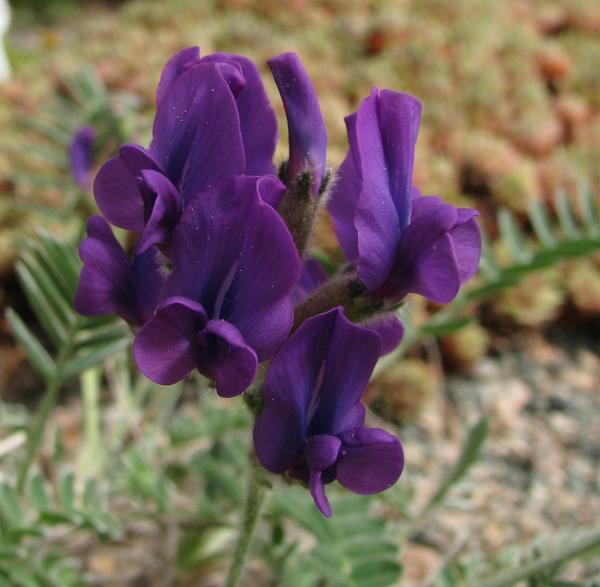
[{"x": 511, "y": 127}]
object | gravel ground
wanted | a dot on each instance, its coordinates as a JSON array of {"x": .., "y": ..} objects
[{"x": 540, "y": 471}]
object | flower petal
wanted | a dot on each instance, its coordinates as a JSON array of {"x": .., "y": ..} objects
[
  {"x": 233, "y": 252},
  {"x": 435, "y": 273},
  {"x": 306, "y": 127},
  {"x": 342, "y": 206},
  {"x": 466, "y": 238},
  {"x": 81, "y": 154},
  {"x": 390, "y": 330},
  {"x": 271, "y": 190},
  {"x": 226, "y": 358},
  {"x": 196, "y": 133},
  {"x": 320, "y": 453},
  {"x": 165, "y": 212},
  {"x": 317, "y": 492},
  {"x": 383, "y": 145},
  {"x": 278, "y": 434},
  {"x": 166, "y": 348},
  {"x": 311, "y": 277},
  {"x": 106, "y": 281},
  {"x": 148, "y": 279},
  {"x": 258, "y": 122},
  {"x": 371, "y": 460},
  {"x": 425, "y": 261},
  {"x": 352, "y": 352},
  {"x": 177, "y": 65},
  {"x": 293, "y": 378},
  {"x": 117, "y": 188},
  {"x": 399, "y": 118}
]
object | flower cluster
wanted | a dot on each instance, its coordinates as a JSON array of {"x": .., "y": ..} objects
[{"x": 219, "y": 279}]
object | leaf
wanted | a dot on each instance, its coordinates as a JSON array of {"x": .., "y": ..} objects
[
  {"x": 589, "y": 210},
  {"x": 469, "y": 455},
  {"x": 446, "y": 327},
  {"x": 513, "y": 237},
  {"x": 353, "y": 548},
  {"x": 66, "y": 491},
  {"x": 540, "y": 221},
  {"x": 42, "y": 295},
  {"x": 10, "y": 508},
  {"x": 565, "y": 215},
  {"x": 48, "y": 273},
  {"x": 37, "y": 494},
  {"x": 94, "y": 355},
  {"x": 376, "y": 573},
  {"x": 36, "y": 354}
]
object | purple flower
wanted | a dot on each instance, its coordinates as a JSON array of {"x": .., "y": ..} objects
[
  {"x": 312, "y": 422},
  {"x": 110, "y": 283},
  {"x": 258, "y": 123},
  {"x": 306, "y": 128},
  {"x": 312, "y": 275},
  {"x": 213, "y": 121},
  {"x": 226, "y": 305},
  {"x": 387, "y": 326},
  {"x": 81, "y": 154},
  {"x": 399, "y": 241}
]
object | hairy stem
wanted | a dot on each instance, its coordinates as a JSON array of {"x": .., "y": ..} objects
[
  {"x": 255, "y": 497},
  {"x": 562, "y": 554},
  {"x": 297, "y": 209},
  {"x": 343, "y": 289}
]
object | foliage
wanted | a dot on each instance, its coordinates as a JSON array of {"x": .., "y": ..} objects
[
  {"x": 202, "y": 452},
  {"x": 48, "y": 274},
  {"x": 206, "y": 450},
  {"x": 355, "y": 548},
  {"x": 31, "y": 528},
  {"x": 81, "y": 99}
]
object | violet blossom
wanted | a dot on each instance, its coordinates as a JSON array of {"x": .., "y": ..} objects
[
  {"x": 226, "y": 305},
  {"x": 111, "y": 283},
  {"x": 215, "y": 282},
  {"x": 312, "y": 424},
  {"x": 213, "y": 120},
  {"x": 81, "y": 156},
  {"x": 399, "y": 241},
  {"x": 306, "y": 127}
]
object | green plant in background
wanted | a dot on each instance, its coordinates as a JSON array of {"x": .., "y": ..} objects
[
  {"x": 69, "y": 346},
  {"x": 196, "y": 447},
  {"x": 43, "y": 171},
  {"x": 48, "y": 272}
]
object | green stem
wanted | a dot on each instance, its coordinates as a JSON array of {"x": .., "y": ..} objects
[
  {"x": 255, "y": 496},
  {"x": 578, "y": 546},
  {"x": 38, "y": 427},
  {"x": 91, "y": 454}
]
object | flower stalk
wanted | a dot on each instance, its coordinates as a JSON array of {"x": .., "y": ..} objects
[
  {"x": 297, "y": 209},
  {"x": 255, "y": 498}
]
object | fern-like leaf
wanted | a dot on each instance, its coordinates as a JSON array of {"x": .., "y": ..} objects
[
  {"x": 353, "y": 548},
  {"x": 67, "y": 343}
]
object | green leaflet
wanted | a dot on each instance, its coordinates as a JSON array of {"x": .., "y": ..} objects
[
  {"x": 48, "y": 274},
  {"x": 353, "y": 548}
]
